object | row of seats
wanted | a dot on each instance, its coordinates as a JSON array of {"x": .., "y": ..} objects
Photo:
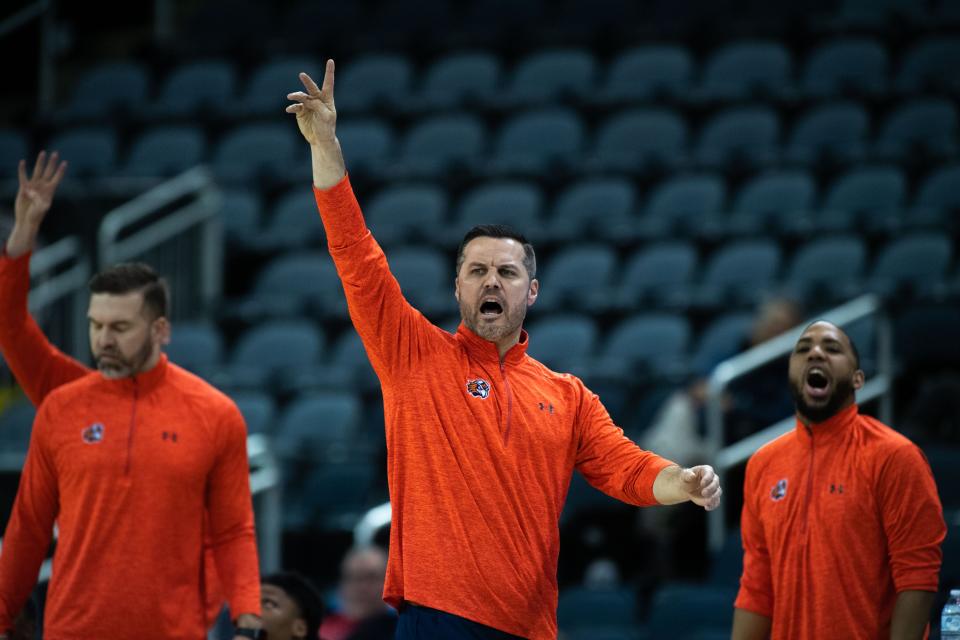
[
  {"x": 737, "y": 71},
  {"x": 875, "y": 200},
  {"x": 534, "y": 142},
  {"x": 592, "y": 277}
]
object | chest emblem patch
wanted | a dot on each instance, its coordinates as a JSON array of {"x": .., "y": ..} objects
[
  {"x": 93, "y": 434},
  {"x": 478, "y": 388},
  {"x": 779, "y": 491}
]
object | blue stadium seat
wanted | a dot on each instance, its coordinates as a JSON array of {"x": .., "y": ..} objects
[
  {"x": 332, "y": 497},
  {"x": 258, "y": 409},
  {"x": 515, "y": 203},
  {"x": 319, "y": 426},
  {"x": 563, "y": 342},
  {"x": 721, "y": 339},
  {"x": 740, "y": 137},
  {"x": 549, "y": 76},
  {"x": 868, "y": 195},
  {"x": 659, "y": 273},
  {"x": 406, "y": 212},
  {"x": 579, "y": 278},
  {"x": 437, "y": 145},
  {"x": 255, "y": 150},
  {"x": 16, "y": 423},
  {"x": 240, "y": 213},
  {"x": 373, "y": 81},
  {"x": 14, "y": 147},
  {"x": 739, "y": 272},
  {"x": 266, "y": 91},
  {"x": 938, "y": 199},
  {"x": 648, "y": 72},
  {"x": 196, "y": 86},
  {"x": 105, "y": 88},
  {"x": 927, "y": 126},
  {"x": 459, "y": 80},
  {"x": 293, "y": 284},
  {"x": 596, "y": 207},
  {"x": 931, "y": 65},
  {"x": 726, "y": 565},
  {"x": 746, "y": 69},
  {"x": 670, "y": 614},
  {"x": 774, "y": 201},
  {"x": 267, "y": 350},
  {"x": 537, "y": 141},
  {"x": 580, "y": 607},
  {"x": 367, "y": 144},
  {"x": 425, "y": 277},
  {"x": 640, "y": 139},
  {"x": 293, "y": 223},
  {"x": 683, "y": 203},
  {"x": 196, "y": 346},
  {"x": 90, "y": 151},
  {"x": 918, "y": 262},
  {"x": 347, "y": 367},
  {"x": 924, "y": 337},
  {"x": 827, "y": 270},
  {"x": 848, "y": 66},
  {"x": 165, "y": 151},
  {"x": 646, "y": 345},
  {"x": 834, "y": 132}
]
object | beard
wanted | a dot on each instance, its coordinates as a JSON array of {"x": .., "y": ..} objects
[
  {"x": 112, "y": 364},
  {"x": 509, "y": 322},
  {"x": 843, "y": 392}
]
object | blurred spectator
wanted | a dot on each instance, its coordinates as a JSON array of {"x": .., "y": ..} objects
[
  {"x": 292, "y": 608},
  {"x": 362, "y": 614}
]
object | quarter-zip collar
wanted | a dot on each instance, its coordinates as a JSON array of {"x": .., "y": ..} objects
[
  {"x": 487, "y": 351},
  {"x": 834, "y": 427},
  {"x": 143, "y": 383}
]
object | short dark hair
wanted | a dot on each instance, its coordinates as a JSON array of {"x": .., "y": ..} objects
[
  {"x": 853, "y": 345},
  {"x": 304, "y": 593},
  {"x": 500, "y": 231},
  {"x": 134, "y": 276}
]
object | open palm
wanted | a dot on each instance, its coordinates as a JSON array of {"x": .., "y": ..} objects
[{"x": 35, "y": 194}]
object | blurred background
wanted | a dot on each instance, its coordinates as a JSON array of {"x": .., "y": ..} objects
[{"x": 697, "y": 178}]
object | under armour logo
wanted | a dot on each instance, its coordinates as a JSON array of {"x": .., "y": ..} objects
[
  {"x": 836, "y": 488},
  {"x": 545, "y": 407},
  {"x": 169, "y": 435}
]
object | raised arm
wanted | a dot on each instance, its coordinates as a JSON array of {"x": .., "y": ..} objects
[
  {"x": 38, "y": 366},
  {"x": 393, "y": 332},
  {"x": 317, "y": 119}
]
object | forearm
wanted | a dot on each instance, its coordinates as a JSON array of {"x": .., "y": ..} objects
[
  {"x": 328, "y": 166},
  {"x": 22, "y": 239},
  {"x": 668, "y": 487},
  {"x": 910, "y": 615},
  {"x": 748, "y": 625}
]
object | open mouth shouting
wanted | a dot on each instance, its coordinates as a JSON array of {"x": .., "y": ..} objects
[
  {"x": 491, "y": 308},
  {"x": 817, "y": 383}
]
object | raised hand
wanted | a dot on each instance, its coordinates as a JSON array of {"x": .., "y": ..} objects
[
  {"x": 34, "y": 197},
  {"x": 317, "y": 119},
  {"x": 316, "y": 113}
]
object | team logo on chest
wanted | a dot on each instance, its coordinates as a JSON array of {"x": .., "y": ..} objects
[
  {"x": 779, "y": 491},
  {"x": 92, "y": 434},
  {"x": 478, "y": 388}
]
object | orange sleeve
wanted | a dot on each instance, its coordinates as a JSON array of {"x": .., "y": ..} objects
[
  {"x": 609, "y": 460},
  {"x": 392, "y": 331},
  {"x": 912, "y": 519},
  {"x": 38, "y": 366},
  {"x": 229, "y": 503},
  {"x": 30, "y": 528},
  {"x": 756, "y": 582}
]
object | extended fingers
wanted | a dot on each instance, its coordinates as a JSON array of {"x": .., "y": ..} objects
[
  {"x": 310, "y": 85},
  {"x": 51, "y": 169},
  {"x": 328, "y": 74},
  {"x": 39, "y": 164},
  {"x": 22, "y": 172}
]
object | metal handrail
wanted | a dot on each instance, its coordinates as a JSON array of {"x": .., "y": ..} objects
[{"x": 740, "y": 365}]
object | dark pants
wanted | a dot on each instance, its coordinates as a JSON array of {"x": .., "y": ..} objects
[{"x": 423, "y": 623}]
